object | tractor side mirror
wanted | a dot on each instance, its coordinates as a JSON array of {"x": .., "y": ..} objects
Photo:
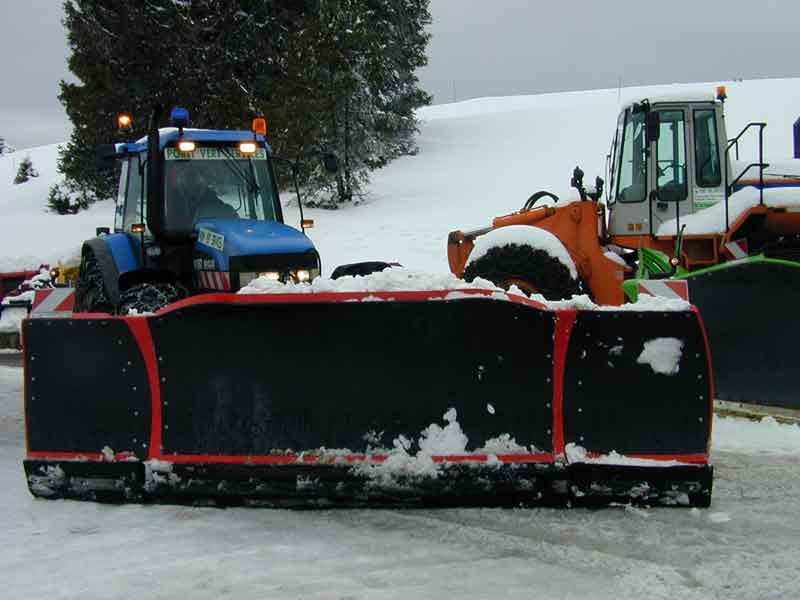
[
  {"x": 331, "y": 162},
  {"x": 653, "y": 125},
  {"x": 105, "y": 157}
]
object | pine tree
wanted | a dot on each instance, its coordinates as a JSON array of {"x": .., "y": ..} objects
[
  {"x": 328, "y": 74},
  {"x": 25, "y": 171}
]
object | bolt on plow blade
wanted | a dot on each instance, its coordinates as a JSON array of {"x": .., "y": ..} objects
[{"x": 381, "y": 399}]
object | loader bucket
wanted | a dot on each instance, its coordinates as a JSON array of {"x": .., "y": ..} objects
[{"x": 366, "y": 399}]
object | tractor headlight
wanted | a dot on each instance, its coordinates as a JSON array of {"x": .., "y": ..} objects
[{"x": 304, "y": 275}]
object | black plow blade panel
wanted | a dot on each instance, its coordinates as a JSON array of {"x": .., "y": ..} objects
[
  {"x": 750, "y": 313},
  {"x": 253, "y": 380}
]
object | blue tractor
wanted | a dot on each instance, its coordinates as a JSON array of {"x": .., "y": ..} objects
[{"x": 197, "y": 212}]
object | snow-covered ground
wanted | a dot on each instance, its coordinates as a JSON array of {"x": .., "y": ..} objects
[
  {"x": 744, "y": 546},
  {"x": 478, "y": 159}
]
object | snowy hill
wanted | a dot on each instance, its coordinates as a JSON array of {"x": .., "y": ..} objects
[
  {"x": 29, "y": 234},
  {"x": 477, "y": 159}
]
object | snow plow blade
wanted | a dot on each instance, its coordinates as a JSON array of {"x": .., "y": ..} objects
[
  {"x": 428, "y": 398},
  {"x": 748, "y": 308}
]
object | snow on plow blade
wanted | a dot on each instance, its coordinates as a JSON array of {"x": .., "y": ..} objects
[{"x": 391, "y": 398}]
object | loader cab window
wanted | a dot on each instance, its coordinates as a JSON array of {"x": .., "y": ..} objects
[
  {"x": 706, "y": 149},
  {"x": 217, "y": 182},
  {"x": 632, "y": 174},
  {"x": 137, "y": 185},
  {"x": 671, "y": 157},
  {"x": 614, "y": 152}
]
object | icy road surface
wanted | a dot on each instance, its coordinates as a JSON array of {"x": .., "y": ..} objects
[{"x": 745, "y": 546}]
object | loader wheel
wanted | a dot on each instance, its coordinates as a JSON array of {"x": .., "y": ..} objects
[
  {"x": 532, "y": 270},
  {"x": 90, "y": 290},
  {"x": 149, "y": 297}
]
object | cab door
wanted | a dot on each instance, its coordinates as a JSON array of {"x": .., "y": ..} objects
[
  {"x": 707, "y": 161},
  {"x": 668, "y": 181}
]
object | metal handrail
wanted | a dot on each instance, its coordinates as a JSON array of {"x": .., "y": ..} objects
[{"x": 734, "y": 142}]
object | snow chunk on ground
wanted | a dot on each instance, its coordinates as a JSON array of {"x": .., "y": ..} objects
[
  {"x": 719, "y": 517},
  {"x": 524, "y": 235},
  {"x": 662, "y": 354}
]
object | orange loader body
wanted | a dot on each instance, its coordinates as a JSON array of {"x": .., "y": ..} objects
[{"x": 579, "y": 226}]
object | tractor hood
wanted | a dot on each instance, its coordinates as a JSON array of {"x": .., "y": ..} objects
[{"x": 226, "y": 238}]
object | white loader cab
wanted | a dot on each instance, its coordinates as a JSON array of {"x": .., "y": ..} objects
[{"x": 668, "y": 160}]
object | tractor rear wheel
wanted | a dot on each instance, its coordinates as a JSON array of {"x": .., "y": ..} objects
[
  {"x": 531, "y": 269},
  {"x": 149, "y": 297},
  {"x": 90, "y": 289}
]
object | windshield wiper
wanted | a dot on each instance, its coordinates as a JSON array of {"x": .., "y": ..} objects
[{"x": 249, "y": 175}]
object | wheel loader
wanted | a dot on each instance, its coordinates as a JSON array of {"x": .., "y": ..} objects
[
  {"x": 681, "y": 214},
  {"x": 170, "y": 380}
]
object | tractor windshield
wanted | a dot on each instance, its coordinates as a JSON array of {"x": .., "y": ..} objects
[{"x": 217, "y": 182}]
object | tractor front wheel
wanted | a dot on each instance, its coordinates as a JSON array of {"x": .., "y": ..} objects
[
  {"x": 90, "y": 289},
  {"x": 530, "y": 269}
]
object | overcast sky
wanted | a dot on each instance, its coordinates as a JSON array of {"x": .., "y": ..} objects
[{"x": 479, "y": 48}]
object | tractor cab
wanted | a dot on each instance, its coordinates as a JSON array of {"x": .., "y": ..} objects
[
  {"x": 668, "y": 161},
  {"x": 197, "y": 211}
]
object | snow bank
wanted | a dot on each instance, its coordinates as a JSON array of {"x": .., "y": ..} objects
[
  {"x": 712, "y": 219},
  {"x": 662, "y": 354},
  {"x": 394, "y": 279},
  {"x": 32, "y": 235},
  {"x": 400, "y": 279},
  {"x": 523, "y": 235},
  {"x": 755, "y": 437}
]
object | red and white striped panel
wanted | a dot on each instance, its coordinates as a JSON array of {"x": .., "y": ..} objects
[
  {"x": 214, "y": 280},
  {"x": 665, "y": 288},
  {"x": 53, "y": 300},
  {"x": 736, "y": 249}
]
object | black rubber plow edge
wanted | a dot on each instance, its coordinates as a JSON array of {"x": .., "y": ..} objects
[{"x": 325, "y": 486}]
